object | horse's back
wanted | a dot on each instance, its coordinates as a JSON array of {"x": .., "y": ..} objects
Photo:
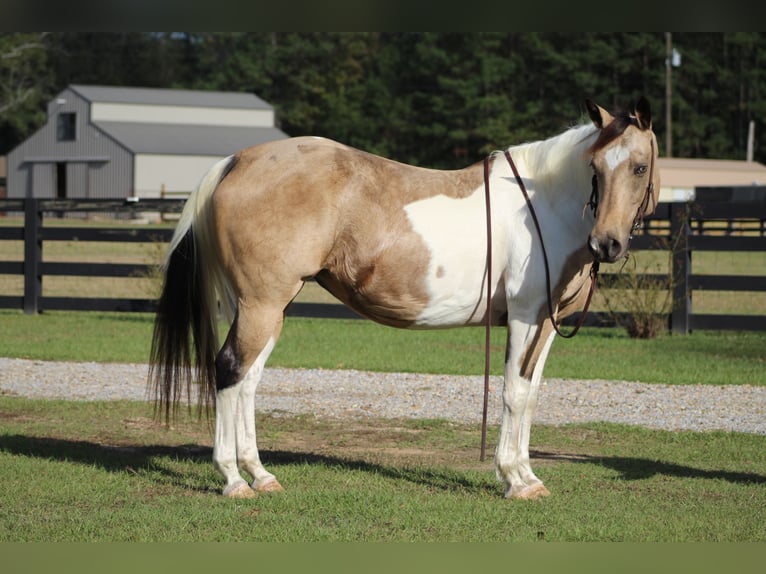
[{"x": 320, "y": 165}]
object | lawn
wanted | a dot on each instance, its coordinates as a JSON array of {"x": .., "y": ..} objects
[{"x": 79, "y": 471}]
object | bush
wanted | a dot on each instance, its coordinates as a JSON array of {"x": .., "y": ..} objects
[{"x": 640, "y": 299}]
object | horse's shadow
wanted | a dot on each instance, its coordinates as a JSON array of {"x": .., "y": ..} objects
[
  {"x": 137, "y": 458},
  {"x": 634, "y": 468}
]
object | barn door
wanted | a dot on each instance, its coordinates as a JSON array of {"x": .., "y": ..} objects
[{"x": 61, "y": 180}]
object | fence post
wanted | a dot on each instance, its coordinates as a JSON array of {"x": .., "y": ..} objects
[
  {"x": 680, "y": 268},
  {"x": 33, "y": 255}
]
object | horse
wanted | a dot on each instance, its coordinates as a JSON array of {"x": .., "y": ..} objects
[{"x": 402, "y": 245}]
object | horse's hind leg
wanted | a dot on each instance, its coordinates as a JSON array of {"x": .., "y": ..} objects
[{"x": 239, "y": 367}]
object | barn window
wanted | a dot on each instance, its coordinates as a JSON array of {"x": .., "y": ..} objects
[{"x": 66, "y": 127}]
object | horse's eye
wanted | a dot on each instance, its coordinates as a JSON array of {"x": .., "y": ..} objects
[{"x": 640, "y": 170}]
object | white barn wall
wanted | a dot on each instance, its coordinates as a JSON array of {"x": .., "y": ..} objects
[
  {"x": 188, "y": 115},
  {"x": 179, "y": 174}
]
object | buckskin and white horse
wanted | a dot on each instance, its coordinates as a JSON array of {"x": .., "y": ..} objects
[{"x": 402, "y": 245}]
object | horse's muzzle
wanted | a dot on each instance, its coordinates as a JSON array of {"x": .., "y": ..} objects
[{"x": 607, "y": 249}]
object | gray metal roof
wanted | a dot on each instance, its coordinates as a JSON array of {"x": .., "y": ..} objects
[
  {"x": 187, "y": 140},
  {"x": 157, "y": 96}
]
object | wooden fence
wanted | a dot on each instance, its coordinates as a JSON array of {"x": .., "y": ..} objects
[{"x": 712, "y": 223}]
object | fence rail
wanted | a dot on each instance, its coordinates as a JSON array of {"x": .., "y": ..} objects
[{"x": 712, "y": 223}]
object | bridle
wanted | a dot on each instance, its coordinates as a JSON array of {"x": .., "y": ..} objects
[
  {"x": 593, "y": 204},
  {"x": 638, "y": 220}
]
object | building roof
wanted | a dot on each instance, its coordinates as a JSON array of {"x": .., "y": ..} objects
[
  {"x": 159, "y": 96},
  {"x": 679, "y": 176},
  {"x": 178, "y": 138},
  {"x": 187, "y": 140}
]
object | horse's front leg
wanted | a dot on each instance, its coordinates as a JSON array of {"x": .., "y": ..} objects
[{"x": 528, "y": 350}]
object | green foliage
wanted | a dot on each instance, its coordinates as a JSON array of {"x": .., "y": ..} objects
[
  {"x": 24, "y": 85},
  {"x": 641, "y": 298},
  {"x": 435, "y": 99}
]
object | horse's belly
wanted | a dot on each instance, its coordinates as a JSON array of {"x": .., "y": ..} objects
[{"x": 461, "y": 305}]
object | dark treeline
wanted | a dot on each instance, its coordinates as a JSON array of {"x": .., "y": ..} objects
[{"x": 435, "y": 99}]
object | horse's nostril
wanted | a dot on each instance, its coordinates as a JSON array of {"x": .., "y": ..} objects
[
  {"x": 594, "y": 247},
  {"x": 614, "y": 248},
  {"x": 605, "y": 249}
]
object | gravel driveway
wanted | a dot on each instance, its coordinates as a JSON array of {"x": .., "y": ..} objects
[{"x": 355, "y": 394}]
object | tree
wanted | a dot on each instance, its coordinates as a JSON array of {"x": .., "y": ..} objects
[
  {"x": 433, "y": 99},
  {"x": 24, "y": 79},
  {"x": 717, "y": 90}
]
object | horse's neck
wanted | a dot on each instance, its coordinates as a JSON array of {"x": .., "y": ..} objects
[
  {"x": 558, "y": 179},
  {"x": 557, "y": 168}
]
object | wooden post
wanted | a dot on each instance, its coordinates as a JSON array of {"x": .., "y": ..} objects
[
  {"x": 668, "y": 94},
  {"x": 33, "y": 255},
  {"x": 680, "y": 268}
]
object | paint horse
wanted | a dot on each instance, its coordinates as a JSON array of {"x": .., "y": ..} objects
[{"x": 401, "y": 245}]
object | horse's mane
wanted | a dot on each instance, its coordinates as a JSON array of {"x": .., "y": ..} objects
[{"x": 559, "y": 154}]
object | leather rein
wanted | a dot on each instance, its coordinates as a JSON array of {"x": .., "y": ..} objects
[{"x": 593, "y": 204}]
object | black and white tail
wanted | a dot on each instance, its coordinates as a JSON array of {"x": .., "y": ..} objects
[{"x": 185, "y": 339}]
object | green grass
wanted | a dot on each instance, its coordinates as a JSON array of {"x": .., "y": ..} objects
[
  {"x": 596, "y": 353},
  {"x": 106, "y": 472}
]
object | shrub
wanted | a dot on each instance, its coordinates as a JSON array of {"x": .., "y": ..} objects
[{"x": 640, "y": 298}]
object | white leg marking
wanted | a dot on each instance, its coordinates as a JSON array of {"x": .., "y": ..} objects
[
  {"x": 247, "y": 446},
  {"x": 224, "y": 449},
  {"x": 519, "y": 402},
  {"x": 235, "y": 438},
  {"x": 525, "y": 469}
]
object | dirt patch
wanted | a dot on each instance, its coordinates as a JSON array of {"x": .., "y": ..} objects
[
  {"x": 398, "y": 443},
  {"x": 133, "y": 433},
  {"x": 142, "y": 423},
  {"x": 16, "y": 417}
]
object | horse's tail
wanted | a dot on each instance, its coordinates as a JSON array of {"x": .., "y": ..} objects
[{"x": 185, "y": 339}]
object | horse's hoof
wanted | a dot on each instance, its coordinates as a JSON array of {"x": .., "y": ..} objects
[
  {"x": 270, "y": 486},
  {"x": 531, "y": 492},
  {"x": 239, "y": 490}
]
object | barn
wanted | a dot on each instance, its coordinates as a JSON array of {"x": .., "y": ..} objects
[
  {"x": 119, "y": 142},
  {"x": 680, "y": 177}
]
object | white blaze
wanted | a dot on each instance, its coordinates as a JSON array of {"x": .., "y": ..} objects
[{"x": 616, "y": 155}]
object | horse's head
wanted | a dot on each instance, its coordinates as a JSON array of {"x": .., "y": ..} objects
[{"x": 626, "y": 181}]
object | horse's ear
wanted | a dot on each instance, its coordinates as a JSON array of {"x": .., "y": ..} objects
[
  {"x": 643, "y": 112},
  {"x": 598, "y": 115}
]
